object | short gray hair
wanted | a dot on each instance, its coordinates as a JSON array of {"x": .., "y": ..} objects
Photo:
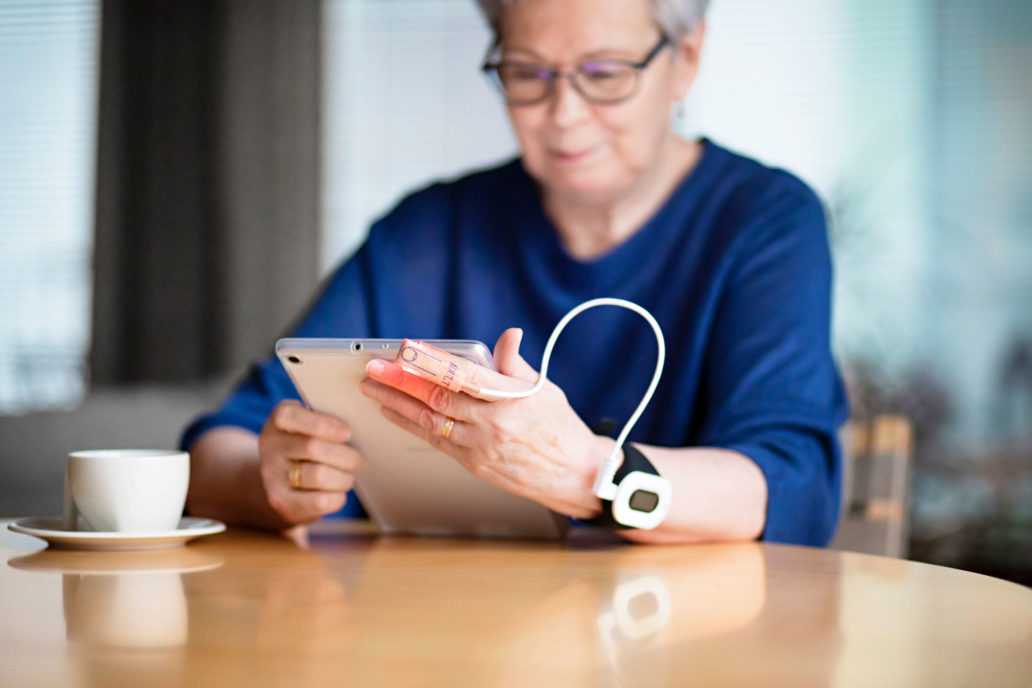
[{"x": 674, "y": 17}]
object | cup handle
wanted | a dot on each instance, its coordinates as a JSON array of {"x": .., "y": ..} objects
[{"x": 69, "y": 512}]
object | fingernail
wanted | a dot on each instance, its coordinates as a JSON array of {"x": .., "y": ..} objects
[{"x": 375, "y": 367}]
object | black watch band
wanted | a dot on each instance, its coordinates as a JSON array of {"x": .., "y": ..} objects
[{"x": 633, "y": 460}]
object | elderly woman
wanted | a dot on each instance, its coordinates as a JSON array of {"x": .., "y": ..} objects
[{"x": 730, "y": 256}]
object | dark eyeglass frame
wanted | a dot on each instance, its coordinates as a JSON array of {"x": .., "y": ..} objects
[{"x": 491, "y": 67}]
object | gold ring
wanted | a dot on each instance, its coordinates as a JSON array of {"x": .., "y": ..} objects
[
  {"x": 294, "y": 475},
  {"x": 449, "y": 423}
]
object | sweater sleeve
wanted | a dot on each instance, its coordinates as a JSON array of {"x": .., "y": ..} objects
[{"x": 772, "y": 389}]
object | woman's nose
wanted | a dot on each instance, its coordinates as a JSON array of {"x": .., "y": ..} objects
[{"x": 567, "y": 106}]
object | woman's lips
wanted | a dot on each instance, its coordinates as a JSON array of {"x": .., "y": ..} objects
[{"x": 572, "y": 156}]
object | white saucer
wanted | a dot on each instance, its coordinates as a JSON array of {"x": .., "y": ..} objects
[{"x": 49, "y": 529}]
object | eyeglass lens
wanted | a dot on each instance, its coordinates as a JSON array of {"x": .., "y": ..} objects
[{"x": 599, "y": 81}]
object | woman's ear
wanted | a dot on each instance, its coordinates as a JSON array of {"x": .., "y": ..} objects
[{"x": 687, "y": 49}]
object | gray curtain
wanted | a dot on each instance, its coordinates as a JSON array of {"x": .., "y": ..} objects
[{"x": 207, "y": 186}]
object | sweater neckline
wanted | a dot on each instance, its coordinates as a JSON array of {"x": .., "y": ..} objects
[{"x": 544, "y": 246}]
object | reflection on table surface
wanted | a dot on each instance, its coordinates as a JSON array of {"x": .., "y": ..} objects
[{"x": 343, "y": 605}]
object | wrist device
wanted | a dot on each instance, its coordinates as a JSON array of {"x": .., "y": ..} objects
[
  {"x": 642, "y": 497},
  {"x": 633, "y": 493}
]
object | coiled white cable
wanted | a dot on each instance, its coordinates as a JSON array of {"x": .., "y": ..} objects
[{"x": 604, "y": 486}]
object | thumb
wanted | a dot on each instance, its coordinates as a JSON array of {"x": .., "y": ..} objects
[{"x": 507, "y": 356}]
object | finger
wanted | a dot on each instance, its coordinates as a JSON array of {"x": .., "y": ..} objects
[
  {"x": 290, "y": 416},
  {"x": 389, "y": 384},
  {"x": 393, "y": 375},
  {"x": 433, "y": 423},
  {"x": 460, "y": 408},
  {"x": 321, "y": 477},
  {"x": 297, "y": 506},
  {"x": 434, "y": 439},
  {"x": 301, "y": 448},
  {"x": 438, "y": 397},
  {"x": 507, "y": 356},
  {"x": 300, "y": 506}
]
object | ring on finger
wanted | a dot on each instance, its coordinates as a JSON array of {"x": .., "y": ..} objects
[
  {"x": 294, "y": 475},
  {"x": 449, "y": 423}
]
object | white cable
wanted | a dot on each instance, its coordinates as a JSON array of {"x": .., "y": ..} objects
[{"x": 604, "y": 486}]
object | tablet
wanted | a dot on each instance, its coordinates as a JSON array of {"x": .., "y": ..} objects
[{"x": 407, "y": 486}]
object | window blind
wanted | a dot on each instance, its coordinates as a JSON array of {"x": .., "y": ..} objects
[{"x": 48, "y": 78}]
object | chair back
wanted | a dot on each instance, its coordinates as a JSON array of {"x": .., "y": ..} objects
[{"x": 876, "y": 458}]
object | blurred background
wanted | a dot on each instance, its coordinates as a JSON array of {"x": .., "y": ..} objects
[{"x": 177, "y": 176}]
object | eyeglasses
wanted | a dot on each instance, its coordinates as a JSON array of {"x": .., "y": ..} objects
[{"x": 602, "y": 82}]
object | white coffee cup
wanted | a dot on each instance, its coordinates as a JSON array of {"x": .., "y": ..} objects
[{"x": 125, "y": 490}]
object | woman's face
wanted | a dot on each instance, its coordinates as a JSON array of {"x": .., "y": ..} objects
[{"x": 578, "y": 151}]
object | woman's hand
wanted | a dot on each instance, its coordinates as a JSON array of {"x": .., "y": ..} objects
[
  {"x": 536, "y": 447},
  {"x": 306, "y": 468}
]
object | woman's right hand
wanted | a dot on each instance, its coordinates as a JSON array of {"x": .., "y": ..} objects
[{"x": 306, "y": 468}]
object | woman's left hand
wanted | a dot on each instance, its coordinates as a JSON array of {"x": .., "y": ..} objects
[{"x": 536, "y": 447}]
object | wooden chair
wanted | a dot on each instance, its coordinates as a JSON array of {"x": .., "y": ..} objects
[{"x": 876, "y": 461}]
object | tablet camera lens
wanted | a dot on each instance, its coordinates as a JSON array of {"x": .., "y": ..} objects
[
  {"x": 356, "y": 346},
  {"x": 293, "y": 359}
]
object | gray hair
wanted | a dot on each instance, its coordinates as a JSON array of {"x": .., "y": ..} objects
[{"x": 674, "y": 17}]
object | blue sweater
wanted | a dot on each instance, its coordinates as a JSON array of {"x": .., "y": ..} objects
[{"x": 735, "y": 267}]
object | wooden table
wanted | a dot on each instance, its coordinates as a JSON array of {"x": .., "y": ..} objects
[{"x": 349, "y": 608}]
